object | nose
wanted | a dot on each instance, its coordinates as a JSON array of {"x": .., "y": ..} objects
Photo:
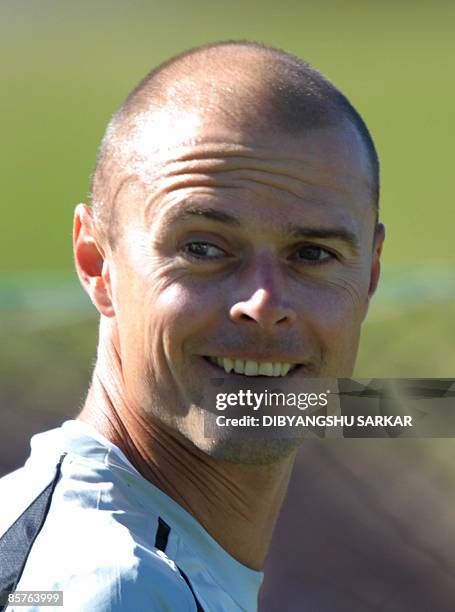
[
  {"x": 262, "y": 309},
  {"x": 267, "y": 304}
]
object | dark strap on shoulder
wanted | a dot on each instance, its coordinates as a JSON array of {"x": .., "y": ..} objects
[
  {"x": 16, "y": 543},
  {"x": 161, "y": 538},
  {"x": 162, "y": 535}
]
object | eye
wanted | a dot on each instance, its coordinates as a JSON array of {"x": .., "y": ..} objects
[
  {"x": 313, "y": 254},
  {"x": 202, "y": 250}
]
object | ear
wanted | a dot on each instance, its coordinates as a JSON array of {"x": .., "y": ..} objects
[
  {"x": 376, "y": 260},
  {"x": 91, "y": 265}
]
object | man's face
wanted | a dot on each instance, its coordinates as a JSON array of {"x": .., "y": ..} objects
[{"x": 245, "y": 246}]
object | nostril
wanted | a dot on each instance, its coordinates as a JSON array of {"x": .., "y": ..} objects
[{"x": 263, "y": 322}]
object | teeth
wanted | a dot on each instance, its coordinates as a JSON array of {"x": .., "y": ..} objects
[
  {"x": 228, "y": 364},
  {"x": 285, "y": 368},
  {"x": 266, "y": 369},
  {"x": 239, "y": 366},
  {"x": 277, "y": 369},
  {"x": 253, "y": 368}
]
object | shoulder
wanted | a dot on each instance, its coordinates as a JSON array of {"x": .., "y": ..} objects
[
  {"x": 95, "y": 546},
  {"x": 17, "y": 491},
  {"x": 107, "y": 576},
  {"x": 102, "y": 559},
  {"x": 108, "y": 589}
]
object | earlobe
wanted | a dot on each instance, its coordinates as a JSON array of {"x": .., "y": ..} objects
[
  {"x": 101, "y": 292},
  {"x": 90, "y": 261}
]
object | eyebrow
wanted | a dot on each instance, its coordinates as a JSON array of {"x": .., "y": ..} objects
[
  {"x": 334, "y": 233},
  {"x": 194, "y": 210},
  {"x": 296, "y": 231}
]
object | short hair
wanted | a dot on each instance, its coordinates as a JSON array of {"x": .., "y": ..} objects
[{"x": 297, "y": 98}]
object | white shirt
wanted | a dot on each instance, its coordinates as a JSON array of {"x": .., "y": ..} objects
[{"x": 97, "y": 542}]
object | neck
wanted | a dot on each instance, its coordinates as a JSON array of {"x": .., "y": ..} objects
[{"x": 237, "y": 504}]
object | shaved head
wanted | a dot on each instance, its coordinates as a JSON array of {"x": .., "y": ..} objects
[
  {"x": 246, "y": 87},
  {"x": 234, "y": 231}
]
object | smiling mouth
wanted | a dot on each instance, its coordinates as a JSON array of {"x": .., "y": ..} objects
[{"x": 252, "y": 368}]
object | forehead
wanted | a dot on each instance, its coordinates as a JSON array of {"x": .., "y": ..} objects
[{"x": 324, "y": 172}]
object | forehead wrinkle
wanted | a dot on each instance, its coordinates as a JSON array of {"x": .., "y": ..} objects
[
  {"x": 235, "y": 164},
  {"x": 172, "y": 192},
  {"x": 222, "y": 152},
  {"x": 220, "y": 148},
  {"x": 253, "y": 182},
  {"x": 213, "y": 158},
  {"x": 218, "y": 164},
  {"x": 202, "y": 161},
  {"x": 193, "y": 208},
  {"x": 174, "y": 159},
  {"x": 164, "y": 198},
  {"x": 170, "y": 188}
]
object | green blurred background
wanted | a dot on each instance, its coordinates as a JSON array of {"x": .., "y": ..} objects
[{"x": 65, "y": 68}]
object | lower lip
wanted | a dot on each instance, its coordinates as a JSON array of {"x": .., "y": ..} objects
[{"x": 222, "y": 372}]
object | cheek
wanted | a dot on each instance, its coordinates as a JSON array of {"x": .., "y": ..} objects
[
  {"x": 335, "y": 301},
  {"x": 134, "y": 343},
  {"x": 158, "y": 311},
  {"x": 185, "y": 310},
  {"x": 333, "y": 312}
]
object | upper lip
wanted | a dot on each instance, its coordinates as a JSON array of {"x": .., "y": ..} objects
[{"x": 259, "y": 358}]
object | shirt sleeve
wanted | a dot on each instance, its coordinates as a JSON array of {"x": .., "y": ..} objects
[
  {"x": 105, "y": 579},
  {"x": 108, "y": 590}
]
